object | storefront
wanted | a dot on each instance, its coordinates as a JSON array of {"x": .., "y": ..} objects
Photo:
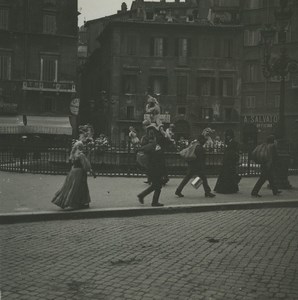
[{"x": 256, "y": 127}]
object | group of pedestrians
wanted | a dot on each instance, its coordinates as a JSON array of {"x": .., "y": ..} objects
[{"x": 74, "y": 194}]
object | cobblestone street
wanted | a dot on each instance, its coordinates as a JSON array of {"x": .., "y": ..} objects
[{"x": 244, "y": 254}]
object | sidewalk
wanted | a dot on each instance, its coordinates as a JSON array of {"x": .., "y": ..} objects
[{"x": 32, "y": 193}]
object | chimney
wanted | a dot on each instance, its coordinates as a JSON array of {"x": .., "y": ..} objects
[
  {"x": 177, "y": 1},
  {"x": 162, "y": 1}
]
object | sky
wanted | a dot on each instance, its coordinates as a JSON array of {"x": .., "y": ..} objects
[{"x": 94, "y": 9}]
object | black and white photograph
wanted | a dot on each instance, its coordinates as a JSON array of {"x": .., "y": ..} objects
[{"x": 148, "y": 149}]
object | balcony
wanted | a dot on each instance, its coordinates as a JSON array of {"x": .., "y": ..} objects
[{"x": 49, "y": 86}]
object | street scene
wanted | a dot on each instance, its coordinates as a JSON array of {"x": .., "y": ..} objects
[{"x": 149, "y": 149}]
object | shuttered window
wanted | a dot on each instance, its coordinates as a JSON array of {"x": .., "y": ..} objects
[
  {"x": 49, "y": 68},
  {"x": 206, "y": 86},
  {"x": 158, "y": 47},
  {"x": 4, "y": 18},
  {"x": 5, "y": 67},
  {"x": 49, "y": 24}
]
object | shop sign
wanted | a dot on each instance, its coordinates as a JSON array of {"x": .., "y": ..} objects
[{"x": 261, "y": 120}]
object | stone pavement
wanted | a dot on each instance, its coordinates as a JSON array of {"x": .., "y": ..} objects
[
  {"x": 30, "y": 195},
  {"x": 243, "y": 254}
]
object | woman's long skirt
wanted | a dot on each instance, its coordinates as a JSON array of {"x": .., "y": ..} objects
[{"x": 74, "y": 192}]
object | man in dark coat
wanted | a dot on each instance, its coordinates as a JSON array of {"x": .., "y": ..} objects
[
  {"x": 267, "y": 170},
  {"x": 196, "y": 167},
  {"x": 156, "y": 171}
]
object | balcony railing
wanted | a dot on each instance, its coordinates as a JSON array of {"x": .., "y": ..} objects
[{"x": 48, "y": 86}]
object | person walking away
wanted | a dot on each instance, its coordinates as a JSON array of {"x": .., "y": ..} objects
[
  {"x": 74, "y": 193},
  {"x": 267, "y": 170},
  {"x": 196, "y": 167},
  {"x": 156, "y": 171},
  {"x": 228, "y": 179}
]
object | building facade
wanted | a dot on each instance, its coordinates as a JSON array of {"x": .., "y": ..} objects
[
  {"x": 261, "y": 96},
  {"x": 203, "y": 60},
  {"x": 172, "y": 50},
  {"x": 38, "y": 65}
]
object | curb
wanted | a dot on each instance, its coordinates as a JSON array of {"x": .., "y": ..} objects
[{"x": 11, "y": 218}]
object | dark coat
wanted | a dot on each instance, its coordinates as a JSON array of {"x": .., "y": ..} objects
[
  {"x": 156, "y": 160},
  {"x": 199, "y": 163},
  {"x": 228, "y": 179}
]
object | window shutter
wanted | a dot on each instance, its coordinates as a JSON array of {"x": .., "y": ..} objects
[
  {"x": 212, "y": 86},
  {"x": 189, "y": 50},
  {"x": 177, "y": 47},
  {"x": 152, "y": 47},
  {"x": 165, "y": 47}
]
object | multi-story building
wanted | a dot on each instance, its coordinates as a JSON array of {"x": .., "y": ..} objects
[
  {"x": 260, "y": 96},
  {"x": 38, "y": 62},
  {"x": 173, "y": 49},
  {"x": 202, "y": 58}
]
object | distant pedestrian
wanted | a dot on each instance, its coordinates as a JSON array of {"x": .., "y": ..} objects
[
  {"x": 74, "y": 193},
  {"x": 228, "y": 179},
  {"x": 268, "y": 169},
  {"x": 156, "y": 170},
  {"x": 135, "y": 142},
  {"x": 196, "y": 167}
]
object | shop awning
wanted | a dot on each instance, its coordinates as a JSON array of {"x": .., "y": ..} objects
[{"x": 35, "y": 125}]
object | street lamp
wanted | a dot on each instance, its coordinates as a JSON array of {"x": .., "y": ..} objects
[{"x": 281, "y": 67}]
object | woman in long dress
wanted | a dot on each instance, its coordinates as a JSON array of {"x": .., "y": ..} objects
[
  {"x": 228, "y": 179},
  {"x": 74, "y": 193}
]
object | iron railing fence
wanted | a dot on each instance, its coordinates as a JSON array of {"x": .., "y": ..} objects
[{"x": 116, "y": 160}]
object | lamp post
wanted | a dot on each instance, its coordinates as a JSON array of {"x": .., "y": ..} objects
[{"x": 281, "y": 66}]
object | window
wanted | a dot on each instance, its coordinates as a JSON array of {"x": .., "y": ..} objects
[
  {"x": 252, "y": 37},
  {"x": 250, "y": 102},
  {"x": 206, "y": 86},
  {"x": 130, "y": 112},
  {"x": 49, "y": 68},
  {"x": 226, "y": 87},
  {"x": 228, "y": 48},
  {"x": 183, "y": 47},
  {"x": 49, "y": 105},
  {"x": 131, "y": 45},
  {"x": 49, "y": 24},
  {"x": 158, "y": 85},
  {"x": 252, "y": 71},
  {"x": 276, "y": 101},
  {"x": 4, "y": 18},
  {"x": 228, "y": 114},
  {"x": 158, "y": 47},
  {"x": 129, "y": 84},
  {"x": 5, "y": 66},
  {"x": 181, "y": 88},
  {"x": 207, "y": 114}
]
